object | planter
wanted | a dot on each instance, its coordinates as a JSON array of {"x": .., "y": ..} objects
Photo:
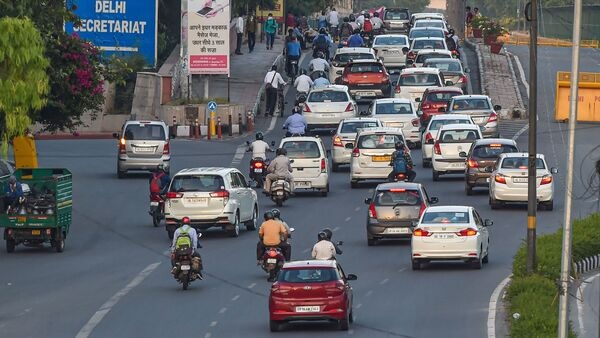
[
  {"x": 496, "y": 47},
  {"x": 477, "y": 33},
  {"x": 489, "y": 39}
]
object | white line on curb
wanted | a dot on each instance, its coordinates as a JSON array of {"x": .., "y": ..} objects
[
  {"x": 106, "y": 307},
  {"x": 494, "y": 299},
  {"x": 580, "y": 304}
]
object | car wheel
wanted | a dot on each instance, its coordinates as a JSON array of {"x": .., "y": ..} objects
[
  {"x": 274, "y": 325},
  {"x": 171, "y": 233},
  {"x": 426, "y": 164},
  {"x": 335, "y": 167},
  {"x": 235, "y": 231},
  {"x": 468, "y": 189},
  {"x": 435, "y": 175},
  {"x": 121, "y": 174},
  {"x": 345, "y": 323},
  {"x": 494, "y": 204},
  {"x": 10, "y": 245},
  {"x": 418, "y": 145},
  {"x": 325, "y": 191},
  {"x": 351, "y": 317},
  {"x": 371, "y": 241},
  {"x": 353, "y": 184},
  {"x": 486, "y": 259},
  {"x": 477, "y": 262},
  {"x": 251, "y": 224},
  {"x": 416, "y": 265},
  {"x": 549, "y": 206}
]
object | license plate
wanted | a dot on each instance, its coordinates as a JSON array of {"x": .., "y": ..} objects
[
  {"x": 197, "y": 200},
  {"x": 487, "y": 180},
  {"x": 144, "y": 149},
  {"x": 308, "y": 308},
  {"x": 327, "y": 115},
  {"x": 520, "y": 179},
  {"x": 397, "y": 230},
  {"x": 21, "y": 219},
  {"x": 302, "y": 184},
  {"x": 457, "y": 165},
  {"x": 395, "y": 124},
  {"x": 153, "y": 204},
  {"x": 443, "y": 236},
  {"x": 185, "y": 267},
  {"x": 392, "y": 52},
  {"x": 36, "y": 232},
  {"x": 478, "y": 119},
  {"x": 258, "y": 170},
  {"x": 279, "y": 193},
  {"x": 382, "y": 158},
  {"x": 271, "y": 260},
  {"x": 366, "y": 94}
]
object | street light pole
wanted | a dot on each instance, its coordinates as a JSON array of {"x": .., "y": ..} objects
[
  {"x": 532, "y": 172},
  {"x": 565, "y": 265}
]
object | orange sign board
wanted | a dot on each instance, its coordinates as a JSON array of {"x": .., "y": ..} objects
[
  {"x": 588, "y": 100},
  {"x": 277, "y": 11}
]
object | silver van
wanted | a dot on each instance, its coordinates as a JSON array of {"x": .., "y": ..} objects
[{"x": 143, "y": 145}]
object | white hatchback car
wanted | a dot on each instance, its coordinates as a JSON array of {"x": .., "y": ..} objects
[
  {"x": 325, "y": 107},
  {"x": 344, "y": 55},
  {"x": 508, "y": 181},
  {"x": 431, "y": 131},
  {"x": 452, "y": 139},
  {"x": 211, "y": 197},
  {"x": 311, "y": 165},
  {"x": 413, "y": 82},
  {"x": 346, "y": 133},
  {"x": 372, "y": 153},
  {"x": 451, "y": 233},
  {"x": 425, "y": 54},
  {"x": 398, "y": 113},
  {"x": 389, "y": 49}
]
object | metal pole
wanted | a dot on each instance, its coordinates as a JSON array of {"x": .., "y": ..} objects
[
  {"x": 206, "y": 87},
  {"x": 228, "y": 89},
  {"x": 532, "y": 174},
  {"x": 565, "y": 265}
]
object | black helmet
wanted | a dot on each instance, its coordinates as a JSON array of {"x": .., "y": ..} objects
[
  {"x": 281, "y": 151},
  {"x": 357, "y": 31},
  {"x": 276, "y": 213},
  {"x": 376, "y": 14},
  {"x": 328, "y": 233},
  {"x": 320, "y": 55},
  {"x": 322, "y": 236},
  {"x": 351, "y": 17},
  {"x": 322, "y": 30},
  {"x": 367, "y": 15},
  {"x": 269, "y": 215},
  {"x": 451, "y": 31},
  {"x": 12, "y": 179},
  {"x": 259, "y": 136},
  {"x": 399, "y": 145},
  {"x": 346, "y": 19},
  {"x": 302, "y": 71}
]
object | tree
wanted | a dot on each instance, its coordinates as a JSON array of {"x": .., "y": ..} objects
[
  {"x": 23, "y": 79},
  {"x": 415, "y": 6}
]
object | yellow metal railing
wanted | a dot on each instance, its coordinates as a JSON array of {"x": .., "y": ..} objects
[{"x": 522, "y": 39}]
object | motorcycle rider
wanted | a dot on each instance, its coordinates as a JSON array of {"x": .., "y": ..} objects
[
  {"x": 319, "y": 64},
  {"x": 295, "y": 124},
  {"x": 185, "y": 239},
  {"x": 356, "y": 39},
  {"x": 280, "y": 166},
  {"x": 360, "y": 19},
  {"x": 272, "y": 233},
  {"x": 321, "y": 81},
  {"x": 452, "y": 41},
  {"x": 13, "y": 194},
  {"x": 159, "y": 182},
  {"x": 323, "y": 249},
  {"x": 293, "y": 52},
  {"x": 259, "y": 147},
  {"x": 303, "y": 83},
  {"x": 322, "y": 42},
  {"x": 329, "y": 234},
  {"x": 377, "y": 23},
  {"x": 401, "y": 150},
  {"x": 345, "y": 28}
]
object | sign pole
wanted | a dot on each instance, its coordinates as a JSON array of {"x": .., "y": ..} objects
[
  {"x": 206, "y": 88},
  {"x": 532, "y": 171}
]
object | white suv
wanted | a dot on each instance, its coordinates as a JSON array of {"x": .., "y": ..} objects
[
  {"x": 311, "y": 165},
  {"x": 398, "y": 113},
  {"x": 452, "y": 139},
  {"x": 211, "y": 197},
  {"x": 413, "y": 82},
  {"x": 346, "y": 133}
]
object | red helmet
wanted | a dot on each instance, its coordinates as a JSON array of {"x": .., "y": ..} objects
[{"x": 185, "y": 220}]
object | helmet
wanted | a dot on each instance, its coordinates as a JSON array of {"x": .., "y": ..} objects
[
  {"x": 351, "y": 17},
  {"x": 357, "y": 31},
  {"x": 322, "y": 236},
  {"x": 185, "y": 220},
  {"x": 451, "y": 31},
  {"x": 362, "y": 12},
  {"x": 399, "y": 145},
  {"x": 259, "y": 136},
  {"x": 367, "y": 15},
  {"x": 269, "y": 215},
  {"x": 276, "y": 213},
  {"x": 281, "y": 151},
  {"x": 376, "y": 14},
  {"x": 346, "y": 19},
  {"x": 320, "y": 55},
  {"x": 303, "y": 71},
  {"x": 328, "y": 233},
  {"x": 12, "y": 179},
  {"x": 322, "y": 30}
]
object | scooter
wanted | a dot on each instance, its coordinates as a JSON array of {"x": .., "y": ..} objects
[
  {"x": 400, "y": 170},
  {"x": 157, "y": 208},
  {"x": 272, "y": 261},
  {"x": 187, "y": 267},
  {"x": 293, "y": 70},
  {"x": 258, "y": 171},
  {"x": 280, "y": 191}
]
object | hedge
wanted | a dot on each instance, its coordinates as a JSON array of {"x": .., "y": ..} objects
[{"x": 535, "y": 297}]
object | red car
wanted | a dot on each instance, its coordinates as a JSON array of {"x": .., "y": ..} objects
[
  {"x": 433, "y": 99},
  {"x": 366, "y": 80},
  {"x": 311, "y": 290}
]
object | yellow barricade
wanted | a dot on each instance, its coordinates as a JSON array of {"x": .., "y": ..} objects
[{"x": 588, "y": 106}]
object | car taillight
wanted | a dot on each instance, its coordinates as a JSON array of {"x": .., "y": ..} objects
[
  {"x": 372, "y": 211},
  {"x": 337, "y": 141},
  {"x": 472, "y": 163},
  {"x": 423, "y": 207},
  {"x": 166, "y": 149},
  {"x": 349, "y": 107},
  {"x": 425, "y": 106},
  {"x": 323, "y": 166},
  {"x": 437, "y": 148},
  {"x": 172, "y": 194},
  {"x": 122, "y": 149},
  {"x": 493, "y": 117},
  {"x": 421, "y": 233},
  {"x": 258, "y": 165},
  {"x": 428, "y": 137},
  {"x": 546, "y": 179},
  {"x": 355, "y": 152},
  {"x": 467, "y": 232},
  {"x": 411, "y": 55},
  {"x": 306, "y": 108},
  {"x": 385, "y": 79},
  {"x": 463, "y": 79},
  {"x": 415, "y": 122},
  {"x": 345, "y": 80},
  {"x": 220, "y": 194},
  {"x": 499, "y": 178},
  {"x": 397, "y": 90}
]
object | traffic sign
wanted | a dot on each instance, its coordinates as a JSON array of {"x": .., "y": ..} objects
[{"x": 212, "y": 106}]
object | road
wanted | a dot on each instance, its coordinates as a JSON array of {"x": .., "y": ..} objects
[{"x": 113, "y": 278}]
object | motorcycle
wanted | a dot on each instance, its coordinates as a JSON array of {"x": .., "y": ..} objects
[
  {"x": 258, "y": 171},
  {"x": 187, "y": 267},
  {"x": 293, "y": 70},
  {"x": 157, "y": 208},
  {"x": 272, "y": 260},
  {"x": 400, "y": 171},
  {"x": 280, "y": 191},
  {"x": 301, "y": 99},
  {"x": 317, "y": 74}
]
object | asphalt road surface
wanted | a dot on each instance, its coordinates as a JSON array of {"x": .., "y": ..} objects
[{"x": 113, "y": 279}]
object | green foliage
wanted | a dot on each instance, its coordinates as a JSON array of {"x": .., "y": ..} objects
[
  {"x": 169, "y": 28},
  {"x": 415, "y": 6},
  {"x": 23, "y": 79},
  {"x": 123, "y": 72},
  {"x": 242, "y": 6},
  {"x": 508, "y": 8},
  {"x": 307, "y": 7}
]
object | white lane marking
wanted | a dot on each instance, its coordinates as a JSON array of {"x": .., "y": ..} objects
[
  {"x": 370, "y": 292},
  {"x": 336, "y": 229},
  {"x": 520, "y": 132},
  {"x": 222, "y": 311},
  {"x": 272, "y": 125},
  {"x": 306, "y": 250},
  {"x": 87, "y": 329},
  {"x": 236, "y": 297},
  {"x": 348, "y": 219},
  {"x": 251, "y": 285},
  {"x": 494, "y": 299},
  {"x": 522, "y": 74},
  {"x": 207, "y": 335},
  {"x": 359, "y": 305},
  {"x": 239, "y": 154},
  {"x": 213, "y": 324},
  {"x": 401, "y": 269},
  {"x": 357, "y": 209},
  {"x": 580, "y": 304},
  {"x": 384, "y": 281}
]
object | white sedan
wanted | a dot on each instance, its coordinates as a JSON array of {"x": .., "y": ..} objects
[
  {"x": 398, "y": 113},
  {"x": 325, "y": 107},
  {"x": 450, "y": 233},
  {"x": 431, "y": 131}
]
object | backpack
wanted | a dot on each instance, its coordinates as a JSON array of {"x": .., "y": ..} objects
[
  {"x": 155, "y": 183},
  {"x": 183, "y": 243},
  {"x": 368, "y": 26},
  {"x": 321, "y": 42},
  {"x": 399, "y": 164},
  {"x": 450, "y": 43},
  {"x": 346, "y": 29}
]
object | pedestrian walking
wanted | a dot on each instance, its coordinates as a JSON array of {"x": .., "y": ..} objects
[
  {"x": 273, "y": 81},
  {"x": 251, "y": 31},
  {"x": 270, "y": 30},
  {"x": 468, "y": 20},
  {"x": 239, "y": 29}
]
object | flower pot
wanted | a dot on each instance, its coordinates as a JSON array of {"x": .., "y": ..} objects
[
  {"x": 496, "y": 47},
  {"x": 477, "y": 33},
  {"x": 489, "y": 39}
]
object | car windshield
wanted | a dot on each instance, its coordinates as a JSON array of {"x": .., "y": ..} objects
[
  {"x": 445, "y": 217},
  {"x": 378, "y": 141},
  {"x": 437, "y": 124},
  {"x": 429, "y": 23},
  {"x": 344, "y": 58},
  {"x": 428, "y": 44},
  {"x": 390, "y": 40},
  {"x": 441, "y": 96},
  {"x": 415, "y": 80},
  {"x": 421, "y": 58},
  {"x": 148, "y": 132},
  {"x": 328, "y": 96},
  {"x": 352, "y": 127},
  {"x": 393, "y": 108},
  {"x": 492, "y": 151},
  {"x": 470, "y": 104},
  {"x": 425, "y": 33},
  {"x": 196, "y": 183},
  {"x": 397, "y": 197},
  {"x": 302, "y": 149},
  {"x": 366, "y": 68},
  {"x": 445, "y": 66},
  {"x": 310, "y": 275},
  {"x": 396, "y": 15},
  {"x": 458, "y": 136},
  {"x": 520, "y": 163}
]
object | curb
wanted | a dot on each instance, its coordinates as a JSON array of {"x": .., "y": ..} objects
[
  {"x": 588, "y": 264},
  {"x": 475, "y": 47},
  {"x": 81, "y": 136},
  {"x": 513, "y": 75}
]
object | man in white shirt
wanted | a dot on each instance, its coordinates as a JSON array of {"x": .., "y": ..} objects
[
  {"x": 303, "y": 82},
  {"x": 259, "y": 147},
  {"x": 272, "y": 81},
  {"x": 360, "y": 20},
  {"x": 376, "y": 21},
  {"x": 319, "y": 64},
  {"x": 324, "y": 249},
  {"x": 334, "y": 21},
  {"x": 239, "y": 29}
]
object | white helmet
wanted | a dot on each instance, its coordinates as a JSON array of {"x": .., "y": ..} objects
[{"x": 362, "y": 12}]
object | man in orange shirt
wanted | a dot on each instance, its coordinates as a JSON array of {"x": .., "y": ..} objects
[{"x": 272, "y": 233}]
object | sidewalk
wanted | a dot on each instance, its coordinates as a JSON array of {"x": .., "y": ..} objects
[{"x": 585, "y": 306}]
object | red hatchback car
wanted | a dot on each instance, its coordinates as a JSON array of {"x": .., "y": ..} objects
[
  {"x": 433, "y": 99},
  {"x": 311, "y": 290}
]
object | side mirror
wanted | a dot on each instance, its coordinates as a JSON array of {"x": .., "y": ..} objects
[
  {"x": 116, "y": 135},
  {"x": 368, "y": 200},
  {"x": 351, "y": 277},
  {"x": 292, "y": 229},
  {"x": 488, "y": 223},
  {"x": 338, "y": 243},
  {"x": 414, "y": 224},
  {"x": 339, "y": 72},
  {"x": 418, "y": 99},
  {"x": 349, "y": 146},
  {"x": 419, "y": 113},
  {"x": 462, "y": 154},
  {"x": 449, "y": 83},
  {"x": 272, "y": 143},
  {"x": 247, "y": 143},
  {"x": 442, "y": 109},
  {"x": 291, "y": 161},
  {"x": 497, "y": 107},
  {"x": 433, "y": 200},
  {"x": 467, "y": 70},
  {"x": 488, "y": 169},
  {"x": 430, "y": 141},
  {"x": 554, "y": 170}
]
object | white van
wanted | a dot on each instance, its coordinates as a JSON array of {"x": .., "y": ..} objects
[{"x": 311, "y": 165}]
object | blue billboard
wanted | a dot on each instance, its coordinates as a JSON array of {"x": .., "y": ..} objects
[{"x": 118, "y": 27}]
